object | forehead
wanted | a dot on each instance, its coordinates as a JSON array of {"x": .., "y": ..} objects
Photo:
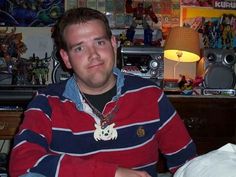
[
  {"x": 84, "y": 32},
  {"x": 91, "y": 25}
]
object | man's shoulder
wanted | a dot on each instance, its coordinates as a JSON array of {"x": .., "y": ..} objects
[
  {"x": 53, "y": 89},
  {"x": 137, "y": 81}
]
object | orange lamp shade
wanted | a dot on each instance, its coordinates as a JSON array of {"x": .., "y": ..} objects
[{"x": 182, "y": 45}]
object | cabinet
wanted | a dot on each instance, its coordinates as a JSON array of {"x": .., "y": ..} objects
[
  {"x": 9, "y": 123},
  {"x": 211, "y": 121}
]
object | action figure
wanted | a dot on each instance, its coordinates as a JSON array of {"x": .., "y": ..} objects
[{"x": 140, "y": 15}]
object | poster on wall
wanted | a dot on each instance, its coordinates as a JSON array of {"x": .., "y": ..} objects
[
  {"x": 168, "y": 12},
  {"x": 154, "y": 17},
  {"x": 217, "y": 27},
  {"x": 121, "y": 12},
  {"x": 200, "y": 3},
  {"x": 30, "y": 13},
  {"x": 224, "y": 4},
  {"x": 25, "y": 56}
]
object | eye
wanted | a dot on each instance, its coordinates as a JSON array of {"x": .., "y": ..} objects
[
  {"x": 101, "y": 42},
  {"x": 78, "y": 48}
]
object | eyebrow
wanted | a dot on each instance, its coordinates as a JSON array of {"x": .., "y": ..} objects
[
  {"x": 102, "y": 37},
  {"x": 95, "y": 39}
]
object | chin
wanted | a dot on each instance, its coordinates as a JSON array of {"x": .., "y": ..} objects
[{"x": 96, "y": 83}]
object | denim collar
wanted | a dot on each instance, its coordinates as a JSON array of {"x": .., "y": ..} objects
[{"x": 73, "y": 93}]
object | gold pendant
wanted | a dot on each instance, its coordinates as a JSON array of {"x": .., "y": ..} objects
[{"x": 106, "y": 133}]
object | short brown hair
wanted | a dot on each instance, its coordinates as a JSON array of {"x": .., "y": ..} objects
[{"x": 76, "y": 16}]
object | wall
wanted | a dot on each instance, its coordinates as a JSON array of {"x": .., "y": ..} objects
[
  {"x": 37, "y": 39},
  {"x": 187, "y": 69}
]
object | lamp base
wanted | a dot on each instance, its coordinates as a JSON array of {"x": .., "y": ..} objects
[{"x": 171, "y": 85}]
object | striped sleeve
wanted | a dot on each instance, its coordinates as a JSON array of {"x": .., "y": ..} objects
[
  {"x": 31, "y": 151},
  {"x": 174, "y": 140}
]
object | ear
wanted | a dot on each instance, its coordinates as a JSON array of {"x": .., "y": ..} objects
[
  {"x": 65, "y": 58},
  {"x": 114, "y": 43}
]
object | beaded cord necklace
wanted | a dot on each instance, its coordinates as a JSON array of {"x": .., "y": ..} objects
[
  {"x": 105, "y": 119},
  {"x": 105, "y": 131}
]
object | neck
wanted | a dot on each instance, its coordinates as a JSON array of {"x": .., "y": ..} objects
[{"x": 97, "y": 90}]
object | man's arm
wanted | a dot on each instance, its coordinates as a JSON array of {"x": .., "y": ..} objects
[
  {"x": 174, "y": 140},
  {"x": 31, "y": 151}
]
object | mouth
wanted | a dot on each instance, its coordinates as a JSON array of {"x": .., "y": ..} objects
[{"x": 94, "y": 66}]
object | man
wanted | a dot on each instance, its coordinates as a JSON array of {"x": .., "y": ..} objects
[{"x": 100, "y": 122}]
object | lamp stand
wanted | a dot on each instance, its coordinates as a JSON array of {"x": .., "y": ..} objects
[
  {"x": 175, "y": 68},
  {"x": 179, "y": 55}
]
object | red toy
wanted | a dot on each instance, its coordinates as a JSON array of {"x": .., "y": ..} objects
[{"x": 140, "y": 15}]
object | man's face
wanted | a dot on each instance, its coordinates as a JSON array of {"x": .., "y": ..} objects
[{"x": 91, "y": 54}]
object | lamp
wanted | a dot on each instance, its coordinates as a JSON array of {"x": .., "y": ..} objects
[{"x": 182, "y": 45}]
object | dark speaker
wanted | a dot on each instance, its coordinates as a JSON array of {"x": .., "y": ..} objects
[{"x": 219, "y": 68}]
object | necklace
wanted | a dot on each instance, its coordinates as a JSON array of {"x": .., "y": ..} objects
[{"x": 105, "y": 131}]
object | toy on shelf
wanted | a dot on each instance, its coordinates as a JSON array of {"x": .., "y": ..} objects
[
  {"x": 11, "y": 48},
  {"x": 141, "y": 14},
  {"x": 189, "y": 86}
]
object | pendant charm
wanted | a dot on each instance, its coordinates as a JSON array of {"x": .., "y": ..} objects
[{"x": 105, "y": 134}]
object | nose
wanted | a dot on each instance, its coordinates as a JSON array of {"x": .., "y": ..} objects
[{"x": 93, "y": 53}]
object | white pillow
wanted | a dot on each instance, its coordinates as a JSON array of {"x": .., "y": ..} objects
[{"x": 217, "y": 163}]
